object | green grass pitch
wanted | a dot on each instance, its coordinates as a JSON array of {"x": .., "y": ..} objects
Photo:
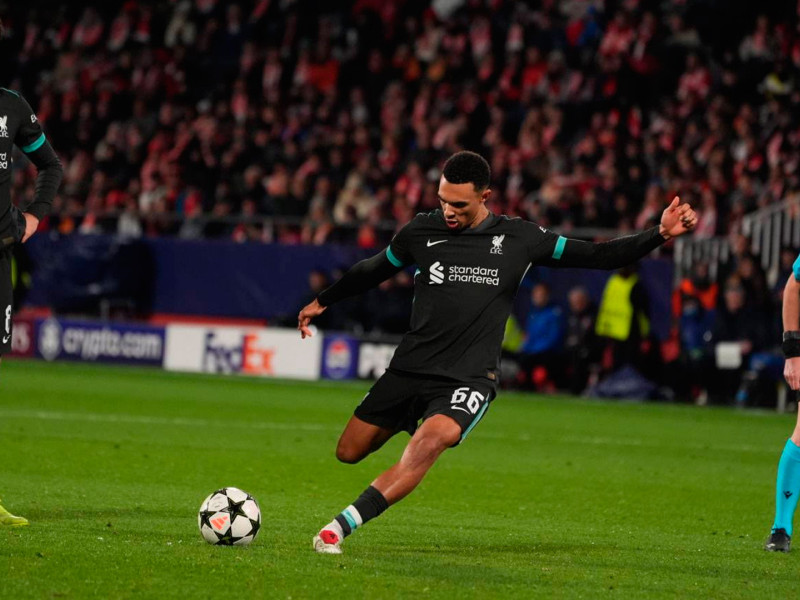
[{"x": 548, "y": 498}]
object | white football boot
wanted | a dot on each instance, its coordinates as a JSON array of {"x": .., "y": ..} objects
[{"x": 327, "y": 542}]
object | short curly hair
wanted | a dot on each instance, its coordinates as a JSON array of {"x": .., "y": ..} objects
[{"x": 468, "y": 167}]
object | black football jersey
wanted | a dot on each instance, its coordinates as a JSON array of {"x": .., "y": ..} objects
[
  {"x": 465, "y": 285},
  {"x": 18, "y": 127}
]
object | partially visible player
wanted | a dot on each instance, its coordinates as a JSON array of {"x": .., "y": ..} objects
[
  {"x": 444, "y": 373},
  {"x": 787, "y": 487},
  {"x": 20, "y": 127}
]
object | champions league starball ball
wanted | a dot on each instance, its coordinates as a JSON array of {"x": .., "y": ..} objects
[{"x": 229, "y": 517}]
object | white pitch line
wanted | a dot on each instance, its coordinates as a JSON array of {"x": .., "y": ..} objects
[{"x": 150, "y": 420}]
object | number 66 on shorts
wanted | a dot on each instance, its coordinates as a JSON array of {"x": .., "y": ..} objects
[
  {"x": 399, "y": 401},
  {"x": 472, "y": 398}
]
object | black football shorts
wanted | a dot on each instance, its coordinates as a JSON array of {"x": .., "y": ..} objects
[
  {"x": 400, "y": 401},
  {"x": 6, "y": 295}
]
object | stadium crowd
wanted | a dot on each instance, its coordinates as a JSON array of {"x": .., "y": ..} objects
[{"x": 333, "y": 117}]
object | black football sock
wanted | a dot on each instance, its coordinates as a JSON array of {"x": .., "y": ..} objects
[{"x": 369, "y": 505}]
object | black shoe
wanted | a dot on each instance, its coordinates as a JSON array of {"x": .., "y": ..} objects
[{"x": 779, "y": 541}]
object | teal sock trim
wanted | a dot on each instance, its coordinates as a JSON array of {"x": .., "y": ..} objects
[
  {"x": 392, "y": 258},
  {"x": 559, "y": 250},
  {"x": 350, "y": 520},
  {"x": 787, "y": 487}
]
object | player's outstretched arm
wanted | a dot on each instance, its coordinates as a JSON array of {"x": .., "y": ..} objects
[
  {"x": 791, "y": 324},
  {"x": 361, "y": 277},
  {"x": 677, "y": 219}
]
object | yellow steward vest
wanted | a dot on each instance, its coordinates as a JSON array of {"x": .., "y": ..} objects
[{"x": 615, "y": 316}]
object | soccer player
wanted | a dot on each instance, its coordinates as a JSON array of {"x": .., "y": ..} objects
[
  {"x": 19, "y": 126},
  {"x": 787, "y": 487},
  {"x": 444, "y": 373}
]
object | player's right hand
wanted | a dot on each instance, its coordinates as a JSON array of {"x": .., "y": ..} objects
[
  {"x": 677, "y": 219},
  {"x": 311, "y": 310},
  {"x": 31, "y": 224},
  {"x": 791, "y": 371}
]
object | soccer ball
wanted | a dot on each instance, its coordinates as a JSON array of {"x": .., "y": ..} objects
[{"x": 229, "y": 517}]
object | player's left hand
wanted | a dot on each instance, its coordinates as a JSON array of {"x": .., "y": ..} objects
[
  {"x": 677, "y": 219},
  {"x": 311, "y": 310},
  {"x": 31, "y": 223},
  {"x": 791, "y": 371}
]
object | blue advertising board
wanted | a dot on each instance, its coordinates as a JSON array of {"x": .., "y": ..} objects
[{"x": 91, "y": 341}]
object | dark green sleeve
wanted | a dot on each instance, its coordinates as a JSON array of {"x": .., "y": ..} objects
[
  {"x": 31, "y": 140},
  {"x": 48, "y": 179},
  {"x": 612, "y": 254}
]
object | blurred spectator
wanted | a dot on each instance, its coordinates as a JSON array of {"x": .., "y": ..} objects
[
  {"x": 580, "y": 343},
  {"x": 129, "y": 224},
  {"x": 544, "y": 338},
  {"x": 786, "y": 260},
  {"x": 194, "y": 224},
  {"x": 699, "y": 287},
  {"x": 695, "y": 328},
  {"x": 752, "y": 279},
  {"x": 513, "y": 336},
  {"x": 318, "y": 225},
  {"x": 249, "y": 229},
  {"x": 623, "y": 325},
  {"x": 513, "y": 339},
  {"x": 737, "y": 332}
]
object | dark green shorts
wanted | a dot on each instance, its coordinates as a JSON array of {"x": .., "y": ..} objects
[{"x": 400, "y": 401}]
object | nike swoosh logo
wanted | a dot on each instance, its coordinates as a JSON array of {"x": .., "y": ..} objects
[
  {"x": 430, "y": 243},
  {"x": 6, "y": 338}
]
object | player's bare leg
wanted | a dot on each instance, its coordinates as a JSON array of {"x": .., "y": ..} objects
[
  {"x": 436, "y": 434},
  {"x": 359, "y": 439}
]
